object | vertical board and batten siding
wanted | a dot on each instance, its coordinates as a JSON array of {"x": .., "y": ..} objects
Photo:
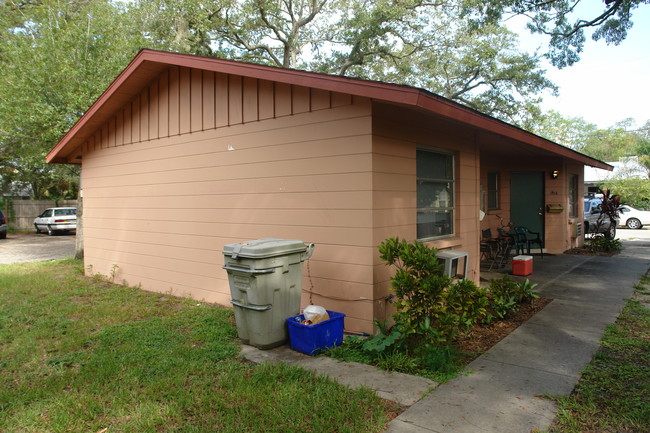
[
  {"x": 396, "y": 136},
  {"x": 198, "y": 160}
]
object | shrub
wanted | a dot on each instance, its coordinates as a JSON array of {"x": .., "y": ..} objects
[
  {"x": 505, "y": 296},
  {"x": 429, "y": 307},
  {"x": 599, "y": 243}
]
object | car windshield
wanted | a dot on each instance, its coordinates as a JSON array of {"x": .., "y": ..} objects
[{"x": 60, "y": 212}]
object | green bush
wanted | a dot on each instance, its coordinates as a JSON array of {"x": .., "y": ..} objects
[
  {"x": 505, "y": 296},
  {"x": 429, "y": 307},
  {"x": 634, "y": 192},
  {"x": 599, "y": 243}
]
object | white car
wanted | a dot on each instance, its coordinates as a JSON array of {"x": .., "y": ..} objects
[
  {"x": 633, "y": 218},
  {"x": 56, "y": 219}
]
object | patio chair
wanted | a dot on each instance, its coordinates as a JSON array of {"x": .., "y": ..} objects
[
  {"x": 489, "y": 247},
  {"x": 506, "y": 241},
  {"x": 520, "y": 241},
  {"x": 529, "y": 238}
]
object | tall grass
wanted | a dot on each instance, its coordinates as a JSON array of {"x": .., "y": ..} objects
[{"x": 83, "y": 355}]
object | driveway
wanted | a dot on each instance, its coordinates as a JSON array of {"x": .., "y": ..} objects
[
  {"x": 633, "y": 235},
  {"x": 34, "y": 248}
]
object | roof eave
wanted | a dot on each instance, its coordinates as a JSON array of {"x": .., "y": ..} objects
[{"x": 148, "y": 63}]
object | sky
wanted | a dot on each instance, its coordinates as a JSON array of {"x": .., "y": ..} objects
[{"x": 610, "y": 83}]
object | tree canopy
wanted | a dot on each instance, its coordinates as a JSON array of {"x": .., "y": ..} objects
[
  {"x": 564, "y": 21},
  {"x": 57, "y": 57},
  {"x": 609, "y": 144}
]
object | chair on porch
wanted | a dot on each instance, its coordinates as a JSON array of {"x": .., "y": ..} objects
[
  {"x": 529, "y": 238},
  {"x": 489, "y": 247},
  {"x": 505, "y": 242},
  {"x": 520, "y": 243}
]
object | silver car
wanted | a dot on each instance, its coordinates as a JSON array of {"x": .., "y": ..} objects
[
  {"x": 595, "y": 222},
  {"x": 56, "y": 219}
]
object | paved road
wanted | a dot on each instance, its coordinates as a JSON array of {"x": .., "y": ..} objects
[
  {"x": 633, "y": 235},
  {"x": 34, "y": 248}
]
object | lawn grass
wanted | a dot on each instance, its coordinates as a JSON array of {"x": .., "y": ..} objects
[
  {"x": 613, "y": 394},
  {"x": 80, "y": 354}
]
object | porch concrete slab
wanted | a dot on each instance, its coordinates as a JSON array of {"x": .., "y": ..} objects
[
  {"x": 400, "y": 388},
  {"x": 490, "y": 399}
]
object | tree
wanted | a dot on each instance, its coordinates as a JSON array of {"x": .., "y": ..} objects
[
  {"x": 261, "y": 31},
  {"x": 422, "y": 43},
  {"x": 610, "y": 144},
  {"x": 616, "y": 142},
  {"x": 478, "y": 67},
  {"x": 563, "y": 21},
  {"x": 56, "y": 58},
  {"x": 634, "y": 192}
]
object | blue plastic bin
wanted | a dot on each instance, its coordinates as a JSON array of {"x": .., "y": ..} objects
[{"x": 312, "y": 339}]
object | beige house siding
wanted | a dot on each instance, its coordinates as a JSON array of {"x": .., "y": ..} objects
[
  {"x": 397, "y": 135},
  {"x": 199, "y": 160},
  {"x": 184, "y": 154}
]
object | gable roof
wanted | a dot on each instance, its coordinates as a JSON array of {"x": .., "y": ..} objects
[{"x": 149, "y": 64}]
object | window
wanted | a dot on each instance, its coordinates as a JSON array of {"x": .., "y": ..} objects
[
  {"x": 493, "y": 190},
  {"x": 435, "y": 194},
  {"x": 573, "y": 196}
]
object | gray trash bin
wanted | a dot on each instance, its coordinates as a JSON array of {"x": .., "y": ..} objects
[{"x": 265, "y": 277}]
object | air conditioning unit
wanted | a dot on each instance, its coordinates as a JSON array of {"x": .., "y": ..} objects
[
  {"x": 451, "y": 261},
  {"x": 577, "y": 229}
]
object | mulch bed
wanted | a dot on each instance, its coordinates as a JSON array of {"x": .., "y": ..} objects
[
  {"x": 480, "y": 339},
  {"x": 589, "y": 252}
]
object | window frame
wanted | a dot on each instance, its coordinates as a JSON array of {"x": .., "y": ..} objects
[
  {"x": 495, "y": 191},
  {"x": 452, "y": 186},
  {"x": 573, "y": 195}
]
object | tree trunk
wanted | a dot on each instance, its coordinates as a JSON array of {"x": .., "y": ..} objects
[{"x": 79, "y": 246}]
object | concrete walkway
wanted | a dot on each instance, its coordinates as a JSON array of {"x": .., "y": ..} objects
[
  {"x": 502, "y": 392},
  {"x": 545, "y": 356}
]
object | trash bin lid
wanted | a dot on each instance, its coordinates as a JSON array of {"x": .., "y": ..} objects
[{"x": 262, "y": 248}]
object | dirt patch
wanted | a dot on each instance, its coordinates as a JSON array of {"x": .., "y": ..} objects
[{"x": 480, "y": 339}]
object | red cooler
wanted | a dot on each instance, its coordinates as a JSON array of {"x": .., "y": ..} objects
[{"x": 522, "y": 265}]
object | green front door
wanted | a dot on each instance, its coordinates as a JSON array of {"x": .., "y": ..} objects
[{"x": 527, "y": 200}]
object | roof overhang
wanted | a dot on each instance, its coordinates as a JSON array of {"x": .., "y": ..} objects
[{"x": 149, "y": 64}]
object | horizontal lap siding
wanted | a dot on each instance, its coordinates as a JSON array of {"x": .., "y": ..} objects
[
  {"x": 234, "y": 160},
  {"x": 396, "y": 136}
]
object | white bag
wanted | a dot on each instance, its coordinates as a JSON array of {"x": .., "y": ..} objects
[{"x": 312, "y": 311}]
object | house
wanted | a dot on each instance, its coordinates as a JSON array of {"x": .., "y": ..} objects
[
  {"x": 182, "y": 155},
  {"x": 626, "y": 168}
]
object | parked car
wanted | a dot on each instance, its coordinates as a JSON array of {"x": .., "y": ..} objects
[
  {"x": 592, "y": 214},
  {"x": 633, "y": 218},
  {"x": 56, "y": 219},
  {"x": 3, "y": 226}
]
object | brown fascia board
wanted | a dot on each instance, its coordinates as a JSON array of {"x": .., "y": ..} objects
[{"x": 148, "y": 64}]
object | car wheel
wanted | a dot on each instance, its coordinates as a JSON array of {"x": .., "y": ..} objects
[
  {"x": 50, "y": 232},
  {"x": 611, "y": 232},
  {"x": 633, "y": 223},
  {"x": 3, "y": 235},
  {"x": 38, "y": 231}
]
